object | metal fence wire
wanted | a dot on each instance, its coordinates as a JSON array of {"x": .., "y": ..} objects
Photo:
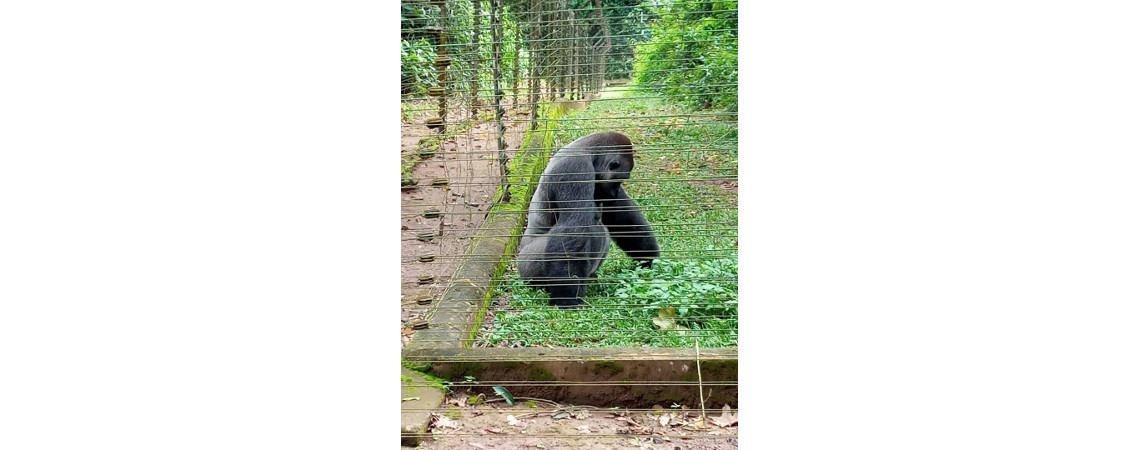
[{"x": 490, "y": 90}]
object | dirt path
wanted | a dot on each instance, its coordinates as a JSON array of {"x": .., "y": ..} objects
[
  {"x": 467, "y": 162},
  {"x": 550, "y": 426}
]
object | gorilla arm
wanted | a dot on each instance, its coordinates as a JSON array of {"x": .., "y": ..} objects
[{"x": 629, "y": 229}]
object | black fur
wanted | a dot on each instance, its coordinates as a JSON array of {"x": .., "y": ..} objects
[{"x": 578, "y": 207}]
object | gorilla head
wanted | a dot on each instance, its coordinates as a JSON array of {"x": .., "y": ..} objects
[{"x": 612, "y": 158}]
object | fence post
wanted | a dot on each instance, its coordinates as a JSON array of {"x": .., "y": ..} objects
[
  {"x": 476, "y": 23},
  {"x": 441, "y": 64},
  {"x": 497, "y": 74}
]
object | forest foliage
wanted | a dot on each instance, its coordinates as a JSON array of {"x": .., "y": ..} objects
[
  {"x": 683, "y": 49},
  {"x": 691, "y": 54}
]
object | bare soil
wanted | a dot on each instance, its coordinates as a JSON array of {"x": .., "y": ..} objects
[
  {"x": 547, "y": 425},
  {"x": 469, "y": 163}
]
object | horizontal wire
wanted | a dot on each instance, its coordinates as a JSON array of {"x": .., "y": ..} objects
[
  {"x": 508, "y": 68},
  {"x": 603, "y": 282},
  {"x": 608, "y": 281},
  {"x": 631, "y": 88},
  {"x": 491, "y": 410},
  {"x": 458, "y": 103},
  {"x": 638, "y": 149},
  {"x": 462, "y": 90},
  {"x": 547, "y": 357},
  {"x": 531, "y": 14},
  {"x": 440, "y": 436},
  {"x": 568, "y": 210},
  {"x": 504, "y": 383},
  {"x": 583, "y": 77},
  {"x": 607, "y": 307},
  {"x": 639, "y": 117},
  {"x": 466, "y": 234},
  {"x": 468, "y": 45},
  {"x": 597, "y": 308},
  {"x": 611, "y": 281},
  {"x": 514, "y": 322},
  {"x": 623, "y": 333},
  {"x": 591, "y": 8},
  {"x": 629, "y": 180},
  {"x": 568, "y": 130},
  {"x": 545, "y": 179},
  {"x": 693, "y": 255},
  {"x": 663, "y": 225},
  {"x": 656, "y": 233},
  {"x": 569, "y": 256},
  {"x": 516, "y": 106},
  {"x": 639, "y": 252},
  {"x": 462, "y": 100},
  {"x": 448, "y": 233},
  {"x": 527, "y": 58}
]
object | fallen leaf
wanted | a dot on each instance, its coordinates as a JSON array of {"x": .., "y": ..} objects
[
  {"x": 584, "y": 429},
  {"x": 698, "y": 424},
  {"x": 411, "y": 399},
  {"x": 442, "y": 422},
  {"x": 560, "y": 415},
  {"x": 494, "y": 431},
  {"x": 664, "y": 419},
  {"x": 726, "y": 419},
  {"x": 667, "y": 320},
  {"x": 511, "y": 420},
  {"x": 477, "y": 445}
]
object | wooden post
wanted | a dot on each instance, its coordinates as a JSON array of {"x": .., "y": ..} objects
[
  {"x": 518, "y": 57},
  {"x": 535, "y": 18},
  {"x": 497, "y": 74},
  {"x": 477, "y": 21},
  {"x": 442, "y": 62}
]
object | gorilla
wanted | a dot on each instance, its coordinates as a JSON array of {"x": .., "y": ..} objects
[{"x": 578, "y": 207}]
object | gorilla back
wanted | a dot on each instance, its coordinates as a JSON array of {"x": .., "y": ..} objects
[{"x": 578, "y": 207}]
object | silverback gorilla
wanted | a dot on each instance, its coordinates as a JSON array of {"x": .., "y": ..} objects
[{"x": 578, "y": 207}]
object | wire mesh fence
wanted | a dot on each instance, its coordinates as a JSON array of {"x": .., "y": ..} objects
[{"x": 491, "y": 90}]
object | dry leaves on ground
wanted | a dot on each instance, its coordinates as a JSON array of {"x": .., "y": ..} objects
[
  {"x": 443, "y": 423},
  {"x": 726, "y": 419}
]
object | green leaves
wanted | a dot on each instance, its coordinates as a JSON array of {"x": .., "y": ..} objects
[
  {"x": 692, "y": 57},
  {"x": 505, "y": 394}
]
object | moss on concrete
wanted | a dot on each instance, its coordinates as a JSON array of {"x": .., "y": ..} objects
[{"x": 607, "y": 368}]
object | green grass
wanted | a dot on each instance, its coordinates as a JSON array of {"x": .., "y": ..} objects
[{"x": 691, "y": 292}]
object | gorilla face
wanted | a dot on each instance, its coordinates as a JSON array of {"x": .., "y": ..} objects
[{"x": 610, "y": 170}]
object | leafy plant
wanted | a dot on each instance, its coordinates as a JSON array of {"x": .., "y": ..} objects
[
  {"x": 417, "y": 71},
  {"x": 505, "y": 394},
  {"x": 692, "y": 54}
]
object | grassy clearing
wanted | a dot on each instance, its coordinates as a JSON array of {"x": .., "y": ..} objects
[{"x": 686, "y": 165}]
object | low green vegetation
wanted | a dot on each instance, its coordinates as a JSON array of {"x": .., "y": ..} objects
[{"x": 684, "y": 180}]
